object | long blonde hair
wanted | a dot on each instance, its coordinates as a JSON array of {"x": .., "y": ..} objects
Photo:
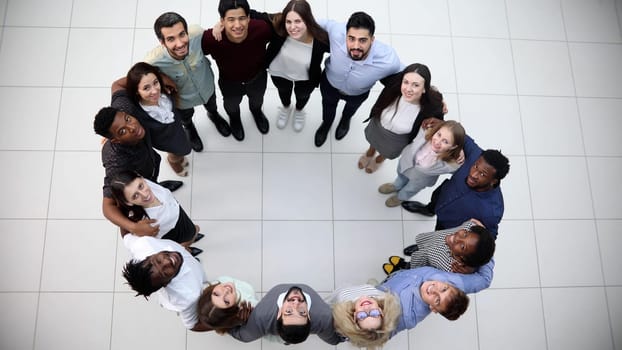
[{"x": 343, "y": 318}]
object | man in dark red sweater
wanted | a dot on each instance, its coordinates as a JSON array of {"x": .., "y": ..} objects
[{"x": 240, "y": 57}]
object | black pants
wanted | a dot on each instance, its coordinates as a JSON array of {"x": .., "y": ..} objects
[
  {"x": 186, "y": 114},
  {"x": 302, "y": 90},
  {"x": 233, "y": 91},
  {"x": 330, "y": 99}
]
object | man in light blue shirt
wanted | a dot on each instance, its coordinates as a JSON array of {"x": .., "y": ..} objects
[
  {"x": 356, "y": 62},
  {"x": 181, "y": 58}
]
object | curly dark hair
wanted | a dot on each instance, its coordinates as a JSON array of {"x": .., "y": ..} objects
[
  {"x": 484, "y": 249},
  {"x": 103, "y": 121},
  {"x": 138, "y": 276}
]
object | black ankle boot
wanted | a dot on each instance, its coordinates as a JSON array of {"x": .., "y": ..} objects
[{"x": 193, "y": 136}]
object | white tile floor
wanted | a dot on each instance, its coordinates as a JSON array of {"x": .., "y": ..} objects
[{"x": 539, "y": 79}]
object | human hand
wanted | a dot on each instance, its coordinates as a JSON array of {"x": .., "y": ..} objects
[
  {"x": 460, "y": 267},
  {"x": 430, "y": 123},
  {"x": 169, "y": 85},
  {"x": 145, "y": 227},
  {"x": 244, "y": 311},
  {"x": 477, "y": 222},
  {"x": 217, "y": 31},
  {"x": 460, "y": 159}
]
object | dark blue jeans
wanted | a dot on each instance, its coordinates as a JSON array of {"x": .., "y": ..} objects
[{"x": 330, "y": 99}]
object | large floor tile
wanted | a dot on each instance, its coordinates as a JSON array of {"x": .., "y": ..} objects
[
  {"x": 109, "y": 47},
  {"x": 563, "y": 331},
  {"x": 437, "y": 56},
  {"x": 542, "y": 68},
  {"x": 559, "y": 197},
  {"x": 591, "y": 65},
  {"x": 83, "y": 187},
  {"x": 232, "y": 248},
  {"x": 148, "y": 11},
  {"x": 516, "y": 192},
  {"x": 479, "y": 18},
  {"x": 38, "y": 132},
  {"x": 524, "y": 329},
  {"x": 144, "y": 41},
  {"x": 201, "y": 341},
  {"x": 39, "y": 13},
  {"x": 298, "y": 251},
  {"x": 111, "y": 14},
  {"x": 560, "y": 243},
  {"x": 516, "y": 256},
  {"x": 480, "y": 115},
  {"x": 22, "y": 266},
  {"x": 432, "y": 18},
  {"x": 297, "y": 187},
  {"x": 359, "y": 253},
  {"x": 86, "y": 321},
  {"x": 18, "y": 319},
  {"x": 535, "y": 19},
  {"x": 78, "y": 108},
  {"x": 227, "y": 186},
  {"x": 63, "y": 262},
  {"x": 138, "y": 323},
  {"x": 591, "y": 21},
  {"x": 492, "y": 56},
  {"x": 21, "y": 50},
  {"x": 614, "y": 302},
  {"x": 610, "y": 240},
  {"x": 600, "y": 120},
  {"x": 541, "y": 116},
  {"x": 355, "y": 193},
  {"x": 434, "y": 331},
  {"x": 604, "y": 191},
  {"x": 341, "y": 11},
  {"x": 31, "y": 170}
]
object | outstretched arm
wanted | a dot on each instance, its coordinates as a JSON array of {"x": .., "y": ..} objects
[{"x": 113, "y": 213}]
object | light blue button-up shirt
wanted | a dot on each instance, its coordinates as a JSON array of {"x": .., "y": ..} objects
[
  {"x": 356, "y": 77},
  {"x": 193, "y": 75}
]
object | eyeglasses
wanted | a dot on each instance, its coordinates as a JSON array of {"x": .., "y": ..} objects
[{"x": 375, "y": 313}]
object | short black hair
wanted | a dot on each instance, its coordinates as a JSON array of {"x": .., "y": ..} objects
[
  {"x": 498, "y": 161},
  {"x": 293, "y": 334},
  {"x": 168, "y": 19},
  {"x": 226, "y": 5},
  {"x": 361, "y": 20},
  {"x": 138, "y": 276},
  {"x": 103, "y": 121},
  {"x": 484, "y": 249}
]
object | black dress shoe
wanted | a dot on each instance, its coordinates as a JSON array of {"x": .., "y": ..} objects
[
  {"x": 220, "y": 123},
  {"x": 171, "y": 185},
  {"x": 195, "y": 251},
  {"x": 408, "y": 251},
  {"x": 262, "y": 122},
  {"x": 199, "y": 237},
  {"x": 416, "y": 207},
  {"x": 321, "y": 134},
  {"x": 236, "y": 129},
  {"x": 193, "y": 136},
  {"x": 342, "y": 128}
]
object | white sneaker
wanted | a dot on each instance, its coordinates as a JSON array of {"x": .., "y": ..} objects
[
  {"x": 283, "y": 116},
  {"x": 299, "y": 120}
]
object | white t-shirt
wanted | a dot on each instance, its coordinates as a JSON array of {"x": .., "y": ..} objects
[
  {"x": 182, "y": 293},
  {"x": 167, "y": 213},
  {"x": 400, "y": 122},
  {"x": 293, "y": 60}
]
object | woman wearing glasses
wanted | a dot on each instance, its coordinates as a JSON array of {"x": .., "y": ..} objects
[{"x": 365, "y": 315}]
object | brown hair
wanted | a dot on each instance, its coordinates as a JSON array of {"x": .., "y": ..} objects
[
  {"x": 221, "y": 320},
  {"x": 303, "y": 9},
  {"x": 457, "y": 305}
]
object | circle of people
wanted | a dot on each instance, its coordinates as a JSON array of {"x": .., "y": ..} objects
[{"x": 152, "y": 108}]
